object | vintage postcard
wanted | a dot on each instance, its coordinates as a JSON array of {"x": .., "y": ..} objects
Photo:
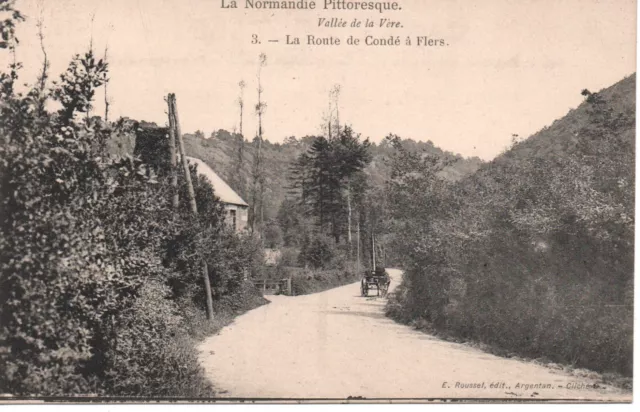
[{"x": 317, "y": 201}]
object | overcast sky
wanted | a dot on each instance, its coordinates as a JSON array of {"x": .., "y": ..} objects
[{"x": 511, "y": 66}]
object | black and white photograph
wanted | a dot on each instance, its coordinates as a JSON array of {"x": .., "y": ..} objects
[{"x": 317, "y": 201}]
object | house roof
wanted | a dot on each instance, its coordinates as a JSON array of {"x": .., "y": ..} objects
[{"x": 221, "y": 188}]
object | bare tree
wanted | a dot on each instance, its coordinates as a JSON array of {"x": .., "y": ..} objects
[
  {"x": 334, "y": 96},
  {"x": 93, "y": 17},
  {"x": 242, "y": 85},
  {"x": 107, "y": 102},
  {"x": 44, "y": 74},
  {"x": 334, "y": 119},
  {"x": 237, "y": 179},
  {"x": 329, "y": 117},
  {"x": 42, "y": 79},
  {"x": 258, "y": 174}
]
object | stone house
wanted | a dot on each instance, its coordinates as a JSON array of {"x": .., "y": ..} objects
[{"x": 236, "y": 209}]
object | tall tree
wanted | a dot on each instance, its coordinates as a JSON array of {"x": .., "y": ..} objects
[
  {"x": 241, "y": 85},
  {"x": 352, "y": 156},
  {"x": 107, "y": 101},
  {"x": 257, "y": 189},
  {"x": 322, "y": 177},
  {"x": 335, "y": 113},
  {"x": 237, "y": 180}
]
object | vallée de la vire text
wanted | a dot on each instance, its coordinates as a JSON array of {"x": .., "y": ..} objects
[{"x": 380, "y": 6}]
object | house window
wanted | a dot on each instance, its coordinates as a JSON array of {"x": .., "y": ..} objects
[{"x": 232, "y": 218}]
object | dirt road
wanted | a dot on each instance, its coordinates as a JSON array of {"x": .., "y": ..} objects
[{"x": 336, "y": 344}]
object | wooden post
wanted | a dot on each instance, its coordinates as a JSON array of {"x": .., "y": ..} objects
[
  {"x": 173, "y": 112},
  {"x": 172, "y": 155},
  {"x": 183, "y": 156}
]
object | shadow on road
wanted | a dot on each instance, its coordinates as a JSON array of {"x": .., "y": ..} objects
[
  {"x": 370, "y": 304},
  {"x": 356, "y": 313}
]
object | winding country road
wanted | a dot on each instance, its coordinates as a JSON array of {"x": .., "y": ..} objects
[{"x": 337, "y": 344}]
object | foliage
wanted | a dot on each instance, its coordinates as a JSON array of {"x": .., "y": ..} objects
[
  {"x": 152, "y": 351},
  {"x": 323, "y": 178},
  {"x": 222, "y": 151},
  {"x": 533, "y": 253},
  {"x": 8, "y": 25},
  {"x": 273, "y": 236},
  {"x": 289, "y": 257},
  {"x": 96, "y": 270},
  {"x": 292, "y": 222},
  {"x": 236, "y": 179},
  {"x": 77, "y": 85},
  {"x": 304, "y": 281},
  {"x": 318, "y": 251}
]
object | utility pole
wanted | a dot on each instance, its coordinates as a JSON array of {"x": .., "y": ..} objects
[
  {"x": 358, "y": 260},
  {"x": 173, "y": 113},
  {"x": 373, "y": 247},
  {"x": 172, "y": 155}
]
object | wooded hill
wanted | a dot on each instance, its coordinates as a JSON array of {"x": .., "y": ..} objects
[
  {"x": 533, "y": 253},
  {"x": 219, "y": 151}
]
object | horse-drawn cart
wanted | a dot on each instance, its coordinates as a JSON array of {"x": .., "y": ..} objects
[{"x": 378, "y": 279}]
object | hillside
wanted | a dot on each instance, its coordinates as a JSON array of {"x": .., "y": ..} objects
[
  {"x": 563, "y": 134},
  {"x": 533, "y": 254},
  {"x": 219, "y": 150}
]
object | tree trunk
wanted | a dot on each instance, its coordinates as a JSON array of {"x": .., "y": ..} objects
[
  {"x": 106, "y": 91},
  {"x": 260, "y": 174},
  {"x": 192, "y": 198},
  {"x": 241, "y": 113},
  {"x": 349, "y": 219},
  {"x": 358, "y": 251},
  {"x": 373, "y": 250},
  {"x": 256, "y": 187}
]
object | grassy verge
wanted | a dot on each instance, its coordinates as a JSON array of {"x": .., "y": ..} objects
[
  {"x": 307, "y": 281},
  {"x": 226, "y": 309},
  {"x": 304, "y": 282},
  {"x": 395, "y": 310}
]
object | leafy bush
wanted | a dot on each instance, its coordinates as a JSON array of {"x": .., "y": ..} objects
[
  {"x": 94, "y": 262},
  {"x": 151, "y": 352},
  {"x": 273, "y": 236},
  {"x": 289, "y": 257},
  {"x": 318, "y": 251}
]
